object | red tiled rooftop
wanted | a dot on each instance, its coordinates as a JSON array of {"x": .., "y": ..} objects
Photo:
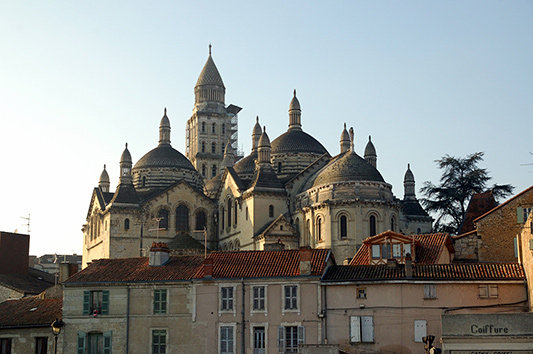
[
  {"x": 466, "y": 271},
  {"x": 30, "y": 312},
  {"x": 430, "y": 247},
  {"x": 263, "y": 264}
]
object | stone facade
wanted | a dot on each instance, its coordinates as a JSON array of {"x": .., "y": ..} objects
[
  {"x": 466, "y": 246},
  {"x": 525, "y": 250},
  {"x": 498, "y": 228}
]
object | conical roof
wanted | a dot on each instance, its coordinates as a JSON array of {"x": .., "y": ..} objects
[
  {"x": 210, "y": 74},
  {"x": 408, "y": 177},
  {"x": 370, "y": 150},
  {"x": 344, "y": 135},
  {"x": 295, "y": 104},
  {"x": 257, "y": 127},
  {"x": 104, "y": 176},
  {"x": 126, "y": 156}
]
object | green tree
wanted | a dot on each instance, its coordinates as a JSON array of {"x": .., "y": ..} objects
[{"x": 461, "y": 178}]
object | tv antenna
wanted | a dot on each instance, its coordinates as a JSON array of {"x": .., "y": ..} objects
[
  {"x": 28, "y": 222},
  {"x": 158, "y": 227},
  {"x": 527, "y": 164}
]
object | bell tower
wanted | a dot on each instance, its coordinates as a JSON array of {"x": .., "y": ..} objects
[{"x": 212, "y": 124}]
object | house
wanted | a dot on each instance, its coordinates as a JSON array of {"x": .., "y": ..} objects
[
  {"x": 389, "y": 308},
  {"x": 25, "y": 325},
  {"x": 264, "y": 300},
  {"x": 496, "y": 231}
]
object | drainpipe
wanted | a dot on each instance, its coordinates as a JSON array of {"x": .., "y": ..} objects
[
  {"x": 243, "y": 334},
  {"x": 325, "y": 315},
  {"x": 128, "y": 321}
]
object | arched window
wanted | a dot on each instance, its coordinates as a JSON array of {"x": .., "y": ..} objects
[
  {"x": 372, "y": 225},
  {"x": 229, "y": 212},
  {"x": 319, "y": 229},
  {"x": 308, "y": 231},
  {"x": 163, "y": 222},
  {"x": 235, "y": 221},
  {"x": 271, "y": 211},
  {"x": 201, "y": 220},
  {"x": 203, "y": 170},
  {"x": 343, "y": 227},
  {"x": 144, "y": 181},
  {"x": 297, "y": 225},
  {"x": 203, "y": 127},
  {"x": 213, "y": 147},
  {"x": 393, "y": 223},
  {"x": 182, "y": 218},
  {"x": 279, "y": 167},
  {"x": 214, "y": 128},
  {"x": 126, "y": 224},
  {"x": 223, "y": 128},
  {"x": 214, "y": 170},
  {"x": 237, "y": 245},
  {"x": 222, "y": 212},
  {"x": 203, "y": 146}
]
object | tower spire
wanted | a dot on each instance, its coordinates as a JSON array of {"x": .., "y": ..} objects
[
  {"x": 209, "y": 48},
  {"x": 295, "y": 113}
]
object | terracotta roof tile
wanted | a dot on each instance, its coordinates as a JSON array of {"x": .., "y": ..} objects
[
  {"x": 138, "y": 270},
  {"x": 264, "y": 264},
  {"x": 30, "y": 312},
  {"x": 470, "y": 271},
  {"x": 428, "y": 251}
]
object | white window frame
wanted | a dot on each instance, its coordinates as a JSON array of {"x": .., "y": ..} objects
[
  {"x": 252, "y": 326},
  {"x": 420, "y": 330},
  {"x": 234, "y": 299},
  {"x": 281, "y": 340},
  {"x": 362, "y": 329},
  {"x": 297, "y": 309},
  {"x": 430, "y": 291},
  {"x": 252, "y": 310},
  {"x": 234, "y": 337}
]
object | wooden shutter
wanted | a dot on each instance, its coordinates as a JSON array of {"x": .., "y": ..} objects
[
  {"x": 105, "y": 302},
  {"x": 519, "y": 215},
  {"x": 281, "y": 339},
  {"x": 86, "y": 303},
  {"x": 81, "y": 342},
  {"x": 367, "y": 329},
  {"x": 107, "y": 342},
  {"x": 420, "y": 330},
  {"x": 355, "y": 329}
]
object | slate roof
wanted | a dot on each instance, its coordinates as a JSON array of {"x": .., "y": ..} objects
[
  {"x": 428, "y": 251},
  {"x": 164, "y": 156},
  {"x": 210, "y": 74},
  {"x": 264, "y": 264},
  {"x": 30, "y": 312},
  {"x": 32, "y": 284},
  {"x": 469, "y": 271},
  {"x": 297, "y": 141},
  {"x": 412, "y": 208},
  {"x": 479, "y": 204}
]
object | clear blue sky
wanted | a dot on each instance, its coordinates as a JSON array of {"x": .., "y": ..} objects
[{"x": 425, "y": 78}]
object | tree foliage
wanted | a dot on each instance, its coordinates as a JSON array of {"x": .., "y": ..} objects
[{"x": 461, "y": 178}]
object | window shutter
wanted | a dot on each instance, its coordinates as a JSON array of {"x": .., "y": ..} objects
[
  {"x": 163, "y": 301},
  {"x": 355, "y": 329},
  {"x": 107, "y": 342},
  {"x": 519, "y": 215},
  {"x": 81, "y": 342},
  {"x": 493, "y": 291},
  {"x": 367, "y": 329},
  {"x": 420, "y": 330},
  {"x": 301, "y": 335},
  {"x": 105, "y": 302},
  {"x": 281, "y": 339},
  {"x": 86, "y": 303}
]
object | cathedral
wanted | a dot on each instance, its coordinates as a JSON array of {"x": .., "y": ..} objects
[{"x": 287, "y": 193}]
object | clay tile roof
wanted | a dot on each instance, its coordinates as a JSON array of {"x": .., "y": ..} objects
[
  {"x": 479, "y": 204},
  {"x": 30, "y": 312},
  {"x": 470, "y": 271},
  {"x": 264, "y": 264},
  {"x": 428, "y": 250},
  {"x": 138, "y": 270}
]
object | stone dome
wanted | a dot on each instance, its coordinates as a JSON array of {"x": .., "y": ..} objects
[
  {"x": 246, "y": 165},
  {"x": 164, "y": 156},
  {"x": 297, "y": 141},
  {"x": 347, "y": 167},
  {"x": 104, "y": 176},
  {"x": 295, "y": 104},
  {"x": 408, "y": 177}
]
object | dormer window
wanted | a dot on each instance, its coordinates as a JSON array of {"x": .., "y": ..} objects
[{"x": 385, "y": 251}]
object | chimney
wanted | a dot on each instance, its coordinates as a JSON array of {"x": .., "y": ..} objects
[
  {"x": 208, "y": 268},
  {"x": 305, "y": 261},
  {"x": 408, "y": 266},
  {"x": 66, "y": 270},
  {"x": 159, "y": 254}
]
